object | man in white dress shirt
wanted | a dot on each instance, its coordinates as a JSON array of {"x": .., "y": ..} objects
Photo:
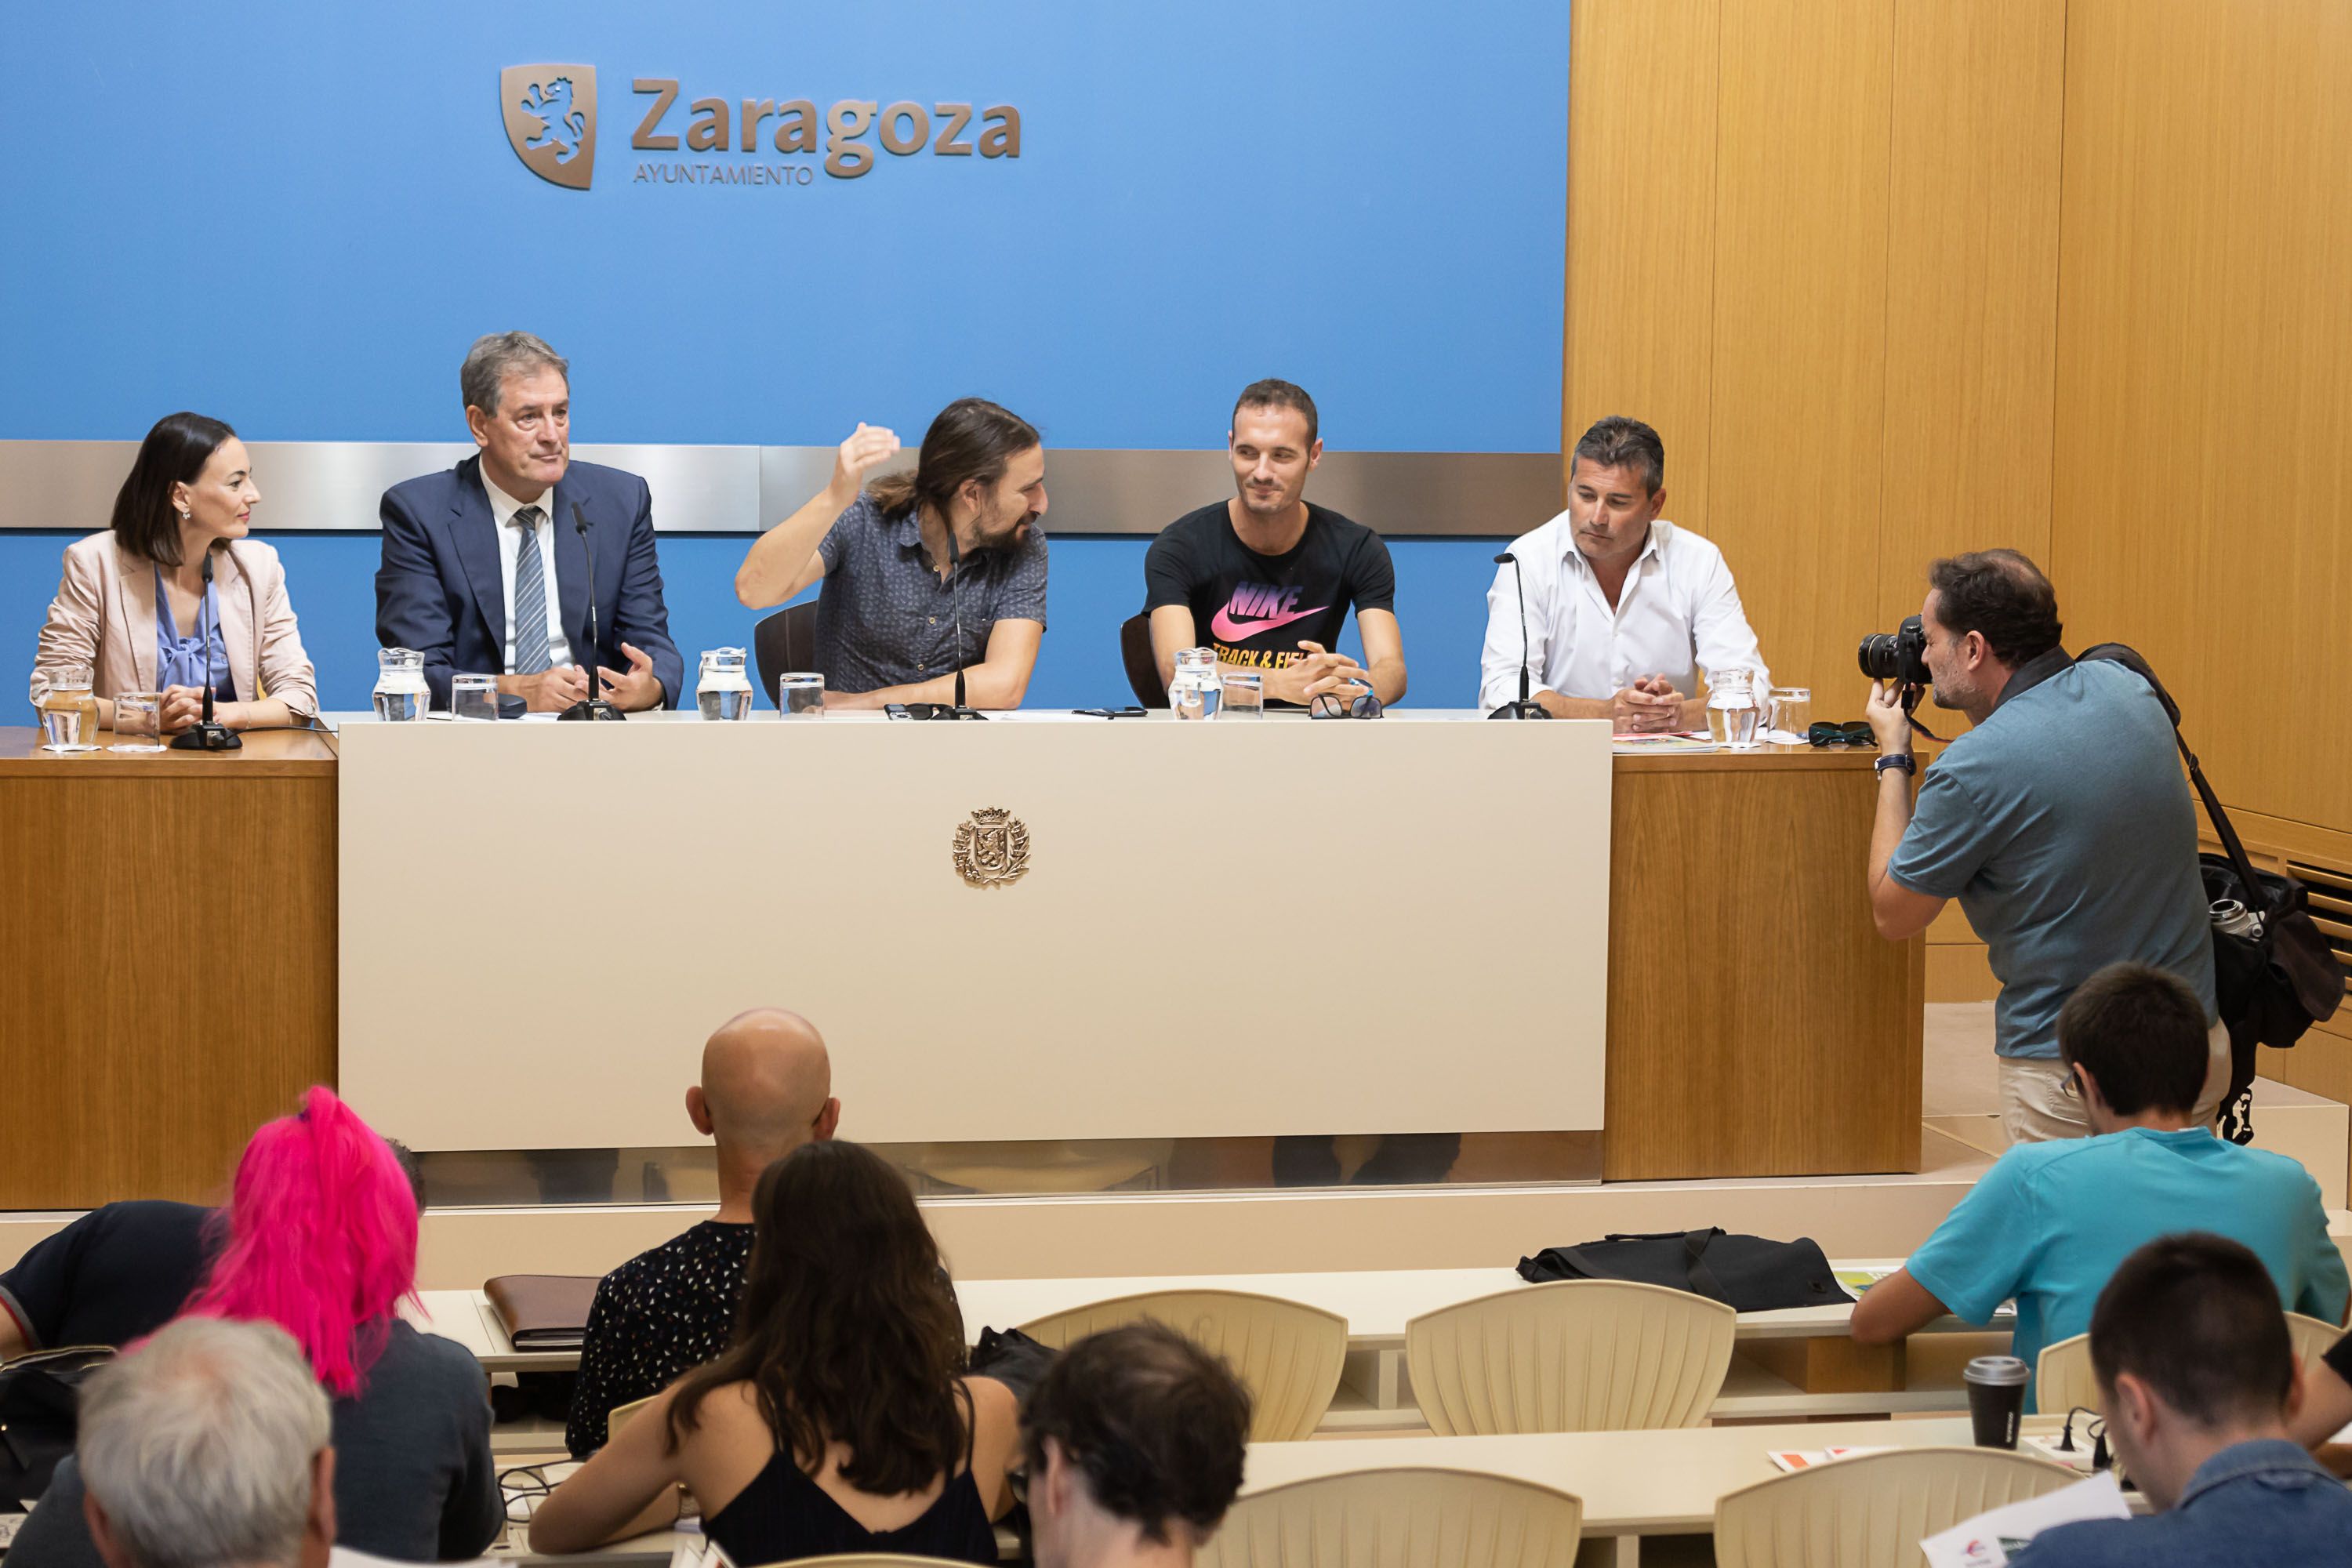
[{"x": 1625, "y": 611}]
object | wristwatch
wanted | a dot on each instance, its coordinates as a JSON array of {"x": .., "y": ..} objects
[{"x": 1902, "y": 760}]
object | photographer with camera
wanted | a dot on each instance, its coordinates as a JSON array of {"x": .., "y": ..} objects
[{"x": 2060, "y": 820}]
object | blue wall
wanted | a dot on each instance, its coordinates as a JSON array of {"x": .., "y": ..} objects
[{"x": 296, "y": 215}]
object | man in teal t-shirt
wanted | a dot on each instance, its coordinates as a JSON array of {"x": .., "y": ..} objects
[{"x": 2050, "y": 1223}]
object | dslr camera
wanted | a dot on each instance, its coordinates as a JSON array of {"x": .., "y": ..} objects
[{"x": 1899, "y": 655}]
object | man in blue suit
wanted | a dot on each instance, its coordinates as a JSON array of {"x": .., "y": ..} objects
[{"x": 485, "y": 571}]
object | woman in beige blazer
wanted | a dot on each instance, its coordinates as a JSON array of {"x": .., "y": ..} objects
[{"x": 133, "y": 608}]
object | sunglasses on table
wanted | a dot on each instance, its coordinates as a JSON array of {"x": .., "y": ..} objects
[
  {"x": 1331, "y": 705},
  {"x": 1825, "y": 733}
]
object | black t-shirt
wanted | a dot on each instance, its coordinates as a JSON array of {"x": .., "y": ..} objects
[
  {"x": 119, "y": 1273},
  {"x": 1255, "y": 609}
]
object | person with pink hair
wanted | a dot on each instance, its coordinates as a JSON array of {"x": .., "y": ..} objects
[{"x": 318, "y": 1237}]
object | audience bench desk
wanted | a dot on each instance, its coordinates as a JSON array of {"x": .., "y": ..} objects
[
  {"x": 1675, "y": 948},
  {"x": 1632, "y": 1484}
]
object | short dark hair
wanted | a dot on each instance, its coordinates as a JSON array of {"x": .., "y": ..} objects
[
  {"x": 972, "y": 439},
  {"x": 2142, "y": 1032},
  {"x": 1273, "y": 393},
  {"x": 2001, "y": 596},
  {"x": 1158, "y": 1425},
  {"x": 1618, "y": 442},
  {"x": 175, "y": 451},
  {"x": 2197, "y": 1318}
]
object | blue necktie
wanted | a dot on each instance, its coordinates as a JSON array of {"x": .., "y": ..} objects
[{"x": 530, "y": 651}]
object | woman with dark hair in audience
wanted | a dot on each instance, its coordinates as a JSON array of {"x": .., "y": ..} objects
[
  {"x": 133, "y": 608},
  {"x": 319, "y": 1238},
  {"x": 840, "y": 1419}
]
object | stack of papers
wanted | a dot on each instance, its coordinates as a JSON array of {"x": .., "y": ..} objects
[
  {"x": 1787, "y": 1460},
  {"x": 1989, "y": 1540}
]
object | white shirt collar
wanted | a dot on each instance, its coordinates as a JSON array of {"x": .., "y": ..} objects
[
  {"x": 1654, "y": 545},
  {"x": 503, "y": 505}
]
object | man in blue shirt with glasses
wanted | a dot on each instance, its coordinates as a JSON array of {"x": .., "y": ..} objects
[{"x": 2196, "y": 1378}]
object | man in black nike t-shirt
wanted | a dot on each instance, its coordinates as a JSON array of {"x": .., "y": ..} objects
[{"x": 1266, "y": 577}]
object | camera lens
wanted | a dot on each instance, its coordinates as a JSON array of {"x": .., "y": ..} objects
[{"x": 1879, "y": 656}]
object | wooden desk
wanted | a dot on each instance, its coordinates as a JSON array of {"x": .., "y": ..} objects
[
  {"x": 1759, "y": 1025},
  {"x": 170, "y": 973}
]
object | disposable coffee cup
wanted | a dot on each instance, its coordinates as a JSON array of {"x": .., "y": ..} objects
[{"x": 1996, "y": 1398}]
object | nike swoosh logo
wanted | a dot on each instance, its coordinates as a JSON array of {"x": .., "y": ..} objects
[{"x": 1223, "y": 624}]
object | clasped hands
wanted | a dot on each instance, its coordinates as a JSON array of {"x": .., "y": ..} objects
[
  {"x": 554, "y": 691},
  {"x": 1651, "y": 706},
  {"x": 1316, "y": 671}
]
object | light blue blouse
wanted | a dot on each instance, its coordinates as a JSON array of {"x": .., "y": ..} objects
[{"x": 184, "y": 661}]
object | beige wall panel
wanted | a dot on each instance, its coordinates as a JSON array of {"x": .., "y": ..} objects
[
  {"x": 1200, "y": 948},
  {"x": 2203, "y": 469},
  {"x": 1799, "y": 324},
  {"x": 1960, "y": 972},
  {"x": 1640, "y": 224},
  {"x": 1972, "y": 285}
]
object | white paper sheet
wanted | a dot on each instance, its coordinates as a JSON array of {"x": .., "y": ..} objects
[{"x": 1986, "y": 1541}]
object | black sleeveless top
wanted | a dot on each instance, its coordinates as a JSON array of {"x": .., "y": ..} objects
[{"x": 784, "y": 1513}]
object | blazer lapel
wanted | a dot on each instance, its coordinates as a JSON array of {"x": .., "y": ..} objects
[
  {"x": 240, "y": 615},
  {"x": 134, "y": 580},
  {"x": 475, "y": 534},
  {"x": 571, "y": 575}
]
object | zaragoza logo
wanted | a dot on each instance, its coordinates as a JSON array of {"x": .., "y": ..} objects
[{"x": 551, "y": 117}]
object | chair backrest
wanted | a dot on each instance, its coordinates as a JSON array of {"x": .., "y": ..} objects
[
  {"x": 1399, "y": 1519},
  {"x": 1581, "y": 1355},
  {"x": 2064, "y": 1378},
  {"x": 1142, "y": 670},
  {"x": 1288, "y": 1355},
  {"x": 782, "y": 643},
  {"x": 1872, "y": 1510},
  {"x": 621, "y": 1415}
]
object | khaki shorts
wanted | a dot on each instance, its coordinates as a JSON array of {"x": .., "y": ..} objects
[{"x": 2035, "y": 1108}]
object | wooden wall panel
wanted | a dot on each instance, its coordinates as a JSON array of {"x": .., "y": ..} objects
[
  {"x": 1796, "y": 425},
  {"x": 2204, "y": 419},
  {"x": 1971, "y": 287},
  {"x": 1640, "y": 206}
]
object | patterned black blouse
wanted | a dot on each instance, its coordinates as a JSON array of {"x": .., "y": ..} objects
[{"x": 657, "y": 1317}]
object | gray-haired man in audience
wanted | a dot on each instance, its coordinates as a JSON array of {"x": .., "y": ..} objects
[
  {"x": 766, "y": 1089},
  {"x": 1135, "y": 1439},
  {"x": 209, "y": 1448}
]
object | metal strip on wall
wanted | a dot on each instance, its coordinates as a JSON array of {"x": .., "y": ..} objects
[{"x": 336, "y": 485}]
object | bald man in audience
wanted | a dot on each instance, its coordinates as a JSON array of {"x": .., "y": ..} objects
[{"x": 766, "y": 1089}]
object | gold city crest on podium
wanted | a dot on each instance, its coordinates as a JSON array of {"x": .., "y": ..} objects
[
  {"x": 551, "y": 118},
  {"x": 991, "y": 846}
]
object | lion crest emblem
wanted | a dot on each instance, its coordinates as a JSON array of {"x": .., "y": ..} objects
[{"x": 992, "y": 847}]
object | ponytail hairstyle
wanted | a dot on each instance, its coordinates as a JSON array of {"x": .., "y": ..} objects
[
  {"x": 320, "y": 1238},
  {"x": 972, "y": 439}
]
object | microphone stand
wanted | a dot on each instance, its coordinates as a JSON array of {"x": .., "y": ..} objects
[
  {"x": 1526, "y": 707},
  {"x": 594, "y": 705},
  {"x": 955, "y": 592},
  {"x": 208, "y": 735}
]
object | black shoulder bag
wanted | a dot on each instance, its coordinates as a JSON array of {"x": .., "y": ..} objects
[{"x": 2273, "y": 980}]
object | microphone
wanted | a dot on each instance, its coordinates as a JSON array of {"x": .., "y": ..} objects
[
  {"x": 594, "y": 705},
  {"x": 208, "y": 735},
  {"x": 955, "y": 593},
  {"x": 1526, "y": 707}
]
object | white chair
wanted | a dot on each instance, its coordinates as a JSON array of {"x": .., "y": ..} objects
[
  {"x": 2063, "y": 1378},
  {"x": 1872, "y": 1510},
  {"x": 1288, "y": 1355},
  {"x": 1399, "y": 1519},
  {"x": 1580, "y": 1355}
]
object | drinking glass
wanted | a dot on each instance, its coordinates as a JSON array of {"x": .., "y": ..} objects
[
  {"x": 401, "y": 694},
  {"x": 801, "y": 694},
  {"x": 68, "y": 711},
  {"x": 1732, "y": 719},
  {"x": 1195, "y": 693},
  {"x": 474, "y": 697},
  {"x": 1244, "y": 695},
  {"x": 1792, "y": 708},
  {"x": 138, "y": 721},
  {"x": 723, "y": 689}
]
